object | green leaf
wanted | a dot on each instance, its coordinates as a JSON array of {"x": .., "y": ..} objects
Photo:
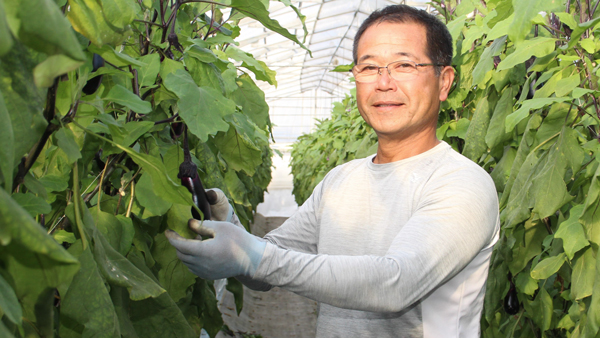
[
  {"x": 525, "y": 11},
  {"x": 54, "y": 183},
  {"x": 6, "y": 40},
  {"x": 579, "y": 30},
  {"x": 23, "y": 100},
  {"x": 118, "y": 13},
  {"x": 159, "y": 317},
  {"x": 525, "y": 283},
  {"x": 55, "y": 65},
  {"x": 177, "y": 220},
  {"x": 173, "y": 275},
  {"x": 152, "y": 202},
  {"x": 543, "y": 308},
  {"x": 205, "y": 74},
  {"x": 30, "y": 256},
  {"x": 115, "y": 268},
  {"x": 486, "y": 61},
  {"x": 202, "y": 54},
  {"x": 571, "y": 232},
  {"x": 252, "y": 101},
  {"x": 513, "y": 119},
  {"x": 130, "y": 132},
  {"x": 118, "y": 59},
  {"x": 496, "y": 132},
  {"x": 548, "y": 266},
  {"x": 202, "y": 108},
  {"x": 118, "y": 230},
  {"x": 147, "y": 74},
  {"x": 33, "y": 204},
  {"x": 42, "y": 26},
  {"x": 9, "y": 304},
  {"x": 125, "y": 97},
  {"x": 90, "y": 19},
  {"x": 168, "y": 66},
  {"x": 591, "y": 214},
  {"x": 237, "y": 289},
  {"x": 259, "y": 68},
  {"x": 237, "y": 151},
  {"x": 7, "y": 151},
  {"x": 66, "y": 142},
  {"x": 584, "y": 272},
  {"x": 86, "y": 307},
  {"x": 528, "y": 244},
  {"x": 256, "y": 10},
  {"x": 566, "y": 85},
  {"x": 475, "y": 145},
  {"x": 538, "y": 47}
]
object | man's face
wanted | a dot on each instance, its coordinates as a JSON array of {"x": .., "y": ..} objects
[{"x": 407, "y": 108}]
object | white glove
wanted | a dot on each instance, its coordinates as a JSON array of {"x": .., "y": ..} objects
[
  {"x": 230, "y": 252},
  {"x": 220, "y": 208}
]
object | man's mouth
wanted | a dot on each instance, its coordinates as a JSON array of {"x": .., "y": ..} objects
[{"x": 386, "y": 104}]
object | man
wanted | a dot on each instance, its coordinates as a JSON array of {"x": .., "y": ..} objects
[{"x": 394, "y": 245}]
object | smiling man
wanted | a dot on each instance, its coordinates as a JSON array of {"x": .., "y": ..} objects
[{"x": 394, "y": 245}]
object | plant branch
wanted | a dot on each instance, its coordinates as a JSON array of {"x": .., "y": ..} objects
[
  {"x": 77, "y": 201},
  {"x": 148, "y": 22},
  {"x": 170, "y": 119},
  {"x": 34, "y": 153}
]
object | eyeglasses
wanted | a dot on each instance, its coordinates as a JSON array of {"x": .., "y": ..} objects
[{"x": 398, "y": 70}]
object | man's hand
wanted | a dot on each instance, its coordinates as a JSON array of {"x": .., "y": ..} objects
[
  {"x": 230, "y": 251},
  {"x": 220, "y": 208}
]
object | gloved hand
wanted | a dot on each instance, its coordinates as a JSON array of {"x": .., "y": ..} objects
[
  {"x": 230, "y": 252},
  {"x": 220, "y": 208}
]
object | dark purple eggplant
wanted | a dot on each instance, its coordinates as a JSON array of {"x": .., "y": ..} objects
[
  {"x": 93, "y": 84},
  {"x": 511, "y": 301},
  {"x": 188, "y": 174}
]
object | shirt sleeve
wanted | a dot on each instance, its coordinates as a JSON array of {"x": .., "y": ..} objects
[{"x": 454, "y": 221}]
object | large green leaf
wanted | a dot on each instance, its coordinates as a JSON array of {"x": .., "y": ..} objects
[
  {"x": 177, "y": 220},
  {"x": 584, "y": 272},
  {"x": 237, "y": 147},
  {"x": 118, "y": 230},
  {"x": 525, "y": 11},
  {"x": 86, "y": 307},
  {"x": 125, "y": 97},
  {"x": 590, "y": 218},
  {"x": 90, "y": 19},
  {"x": 571, "y": 232},
  {"x": 159, "y": 317},
  {"x": 257, "y": 10},
  {"x": 154, "y": 205},
  {"x": 202, "y": 108},
  {"x": 173, "y": 275},
  {"x": 41, "y": 25},
  {"x": 33, "y": 204},
  {"x": 548, "y": 266},
  {"x": 252, "y": 101},
  {"x": 9, "y": 304},
  {"x": 115, "y": 268},
  {"x": 475, "y": 145},
  {"x": 520, "y": 114},
  {"x": 496, "y": 133},
  {"x": 486, "y": 61},
  {"x": 147, "y": 74},
  {"x": 6, "y": 40},
  {"x": 30, "y": 256},
  {"x": 66, "y": 142},
  {"x": 55, "y": 65},
  {"x": 7, "y": 151},
  {"x": 259, "y": 68},
  {"x": 538, "y": 47},
  {"x": 22, "y": 99}
]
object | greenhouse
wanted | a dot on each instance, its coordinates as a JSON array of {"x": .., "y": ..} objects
[{"x": 283, "y": 168}]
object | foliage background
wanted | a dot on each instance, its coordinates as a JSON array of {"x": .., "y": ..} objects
[
  {"x": 90, "y": 154},
  {"x": 524, "y": 107}
]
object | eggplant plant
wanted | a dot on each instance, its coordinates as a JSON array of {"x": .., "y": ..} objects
[{"x": 94, "y": 99}]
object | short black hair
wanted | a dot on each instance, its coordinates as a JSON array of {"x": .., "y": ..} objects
[{"x": 439, "y": 40}]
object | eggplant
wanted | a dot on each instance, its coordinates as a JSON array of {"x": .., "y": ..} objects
[
  {"x": 188, "y": 174},
  {"x": 93, "y": 84}
]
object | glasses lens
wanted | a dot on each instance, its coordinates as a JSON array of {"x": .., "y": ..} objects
[
  {"x": 365, "y": 72},
  {"x": 401, "y": 69}
]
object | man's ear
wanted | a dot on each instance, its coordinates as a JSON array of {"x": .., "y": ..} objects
[{"x": 446, "y": 79}]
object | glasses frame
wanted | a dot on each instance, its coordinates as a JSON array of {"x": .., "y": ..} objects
[{"x": 417, "y": 65}]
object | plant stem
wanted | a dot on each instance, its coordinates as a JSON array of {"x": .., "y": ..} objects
[
  {"x": 130, "y": 199},
  {"x": 77, "y": 201},
  {"x": 100, "y": 184}
]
